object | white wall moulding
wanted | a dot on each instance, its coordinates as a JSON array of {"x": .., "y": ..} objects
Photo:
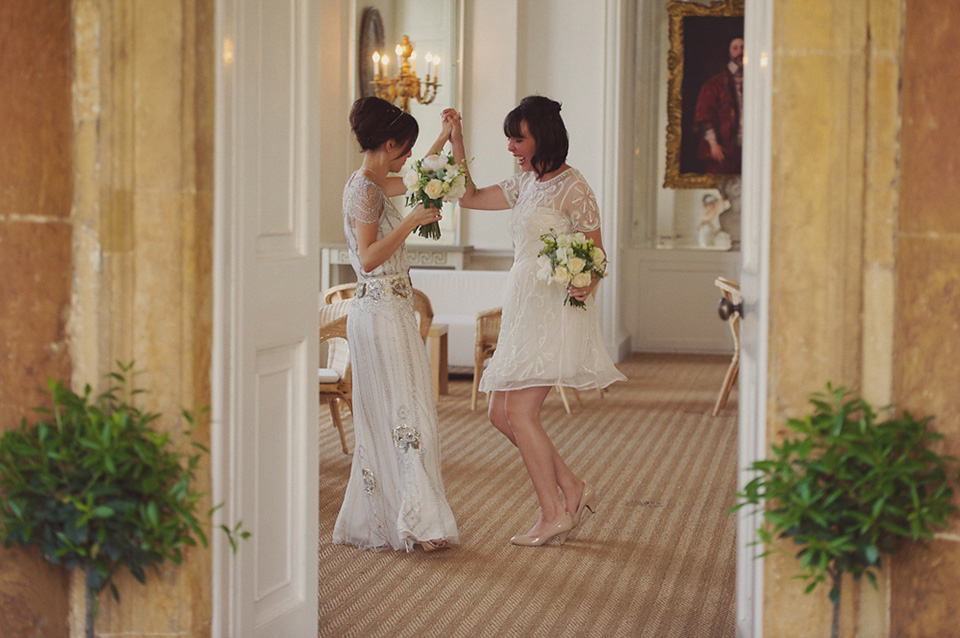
[
  {"x": 676, "y": 308},
  {"x": 266, "y": 257}
]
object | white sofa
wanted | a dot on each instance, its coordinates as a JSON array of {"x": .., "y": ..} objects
[{"x": 457, "y": 296}]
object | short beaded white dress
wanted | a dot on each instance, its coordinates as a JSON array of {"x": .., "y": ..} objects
[
  {"x": 542, "y": 341},
  {"x": 395, "y": 496}
]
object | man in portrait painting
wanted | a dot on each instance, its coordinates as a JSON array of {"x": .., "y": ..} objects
[{"x": 719, "y": 115}]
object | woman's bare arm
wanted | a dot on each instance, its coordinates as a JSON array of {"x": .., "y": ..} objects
[
  {"x": 486, "y": 198},
  {"x": 373, "y": 252}
]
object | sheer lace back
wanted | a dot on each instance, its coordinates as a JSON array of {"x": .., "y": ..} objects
[
  {"x": 363, "y": 200},
  {"x": 365, "y": 203}
]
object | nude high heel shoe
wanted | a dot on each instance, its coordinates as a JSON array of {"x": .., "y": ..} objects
[
  {"x": 560, "y": 530},
  {"x": 588, "y": 501}
]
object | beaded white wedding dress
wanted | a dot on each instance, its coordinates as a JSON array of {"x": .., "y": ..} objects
[
  {"x": 542, "y": 341},
  {"x": 395, "y": 496}
]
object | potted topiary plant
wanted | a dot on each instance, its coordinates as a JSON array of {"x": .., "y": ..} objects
[
  {"x": 849, "y": 488},
  {"x": 96, "y": 488}
]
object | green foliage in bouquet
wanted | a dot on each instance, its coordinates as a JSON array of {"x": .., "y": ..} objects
[
  {"x": 431, "y": 181},
  {"x": 570, "y": 259},
  {"x": 95, "y": 487},
  {"x": 849, "y": 488}
]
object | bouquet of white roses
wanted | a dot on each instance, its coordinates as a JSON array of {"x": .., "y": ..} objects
[
  {"x": 431, "y": 181},
  {"x": 570, "y": 259}
]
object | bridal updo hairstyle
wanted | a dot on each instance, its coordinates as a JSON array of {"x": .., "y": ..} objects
[
  {"x": 542, "y": 116},
  {"x": 374, "y": 121}
]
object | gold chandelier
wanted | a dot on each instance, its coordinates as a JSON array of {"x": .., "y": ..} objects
[{"x": 405, "y": 85}]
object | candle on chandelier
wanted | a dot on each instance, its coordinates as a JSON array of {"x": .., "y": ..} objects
[
  {"x": 376, "y": 65},
  {"x": 385, "y": 60},
  {"x": 413, "y": 62},
  {"x": 436, "y": 63},
  {"x": 428, "y": 58}
]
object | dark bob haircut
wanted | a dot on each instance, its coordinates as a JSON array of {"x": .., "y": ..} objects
[
  {"x": 374, "y": 121},
  {"x": 542, "y": 116}
]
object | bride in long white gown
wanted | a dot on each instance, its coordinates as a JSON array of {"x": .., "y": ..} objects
[{"x": 394, "y": 497}]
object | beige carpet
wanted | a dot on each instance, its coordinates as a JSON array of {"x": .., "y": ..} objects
[{"x": 656, "y": 560}]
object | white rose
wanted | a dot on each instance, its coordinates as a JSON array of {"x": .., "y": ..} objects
[
  {"x": 433, "y": 189},
  {"x": 433, "y": 163},
  {"x": 456, "y": 192},
  {"x": 576, "y": 265},
  {"x": 410, "y": 179},
  {"x": 546, "y": 268},
  {"x": 581, "y": 280},
  {"x": 563, "y": 240},
  {"x": 579, "y": 238},
  {"x": 597, "y": 257},
  {"x": 561, "y": 275}
]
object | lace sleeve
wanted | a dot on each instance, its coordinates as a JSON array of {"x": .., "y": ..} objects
[
  {"x": 581, "y": 207},
  {"x": 363, "y": 202},
  {"x": 511, "y": 188}
]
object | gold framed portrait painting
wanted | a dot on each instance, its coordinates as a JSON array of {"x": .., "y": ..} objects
[{"x": 704, "y": 93}]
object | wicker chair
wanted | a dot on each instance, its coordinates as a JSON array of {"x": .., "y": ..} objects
[
  {"x": 488, "y": 332},
  {"x": 334, "y": 381},
  {"x": 730, "y": 290},
  {"x": 339, "y": 293},
  {"x": 421, "y": 304},
  {"x": 566, "y": 401}
]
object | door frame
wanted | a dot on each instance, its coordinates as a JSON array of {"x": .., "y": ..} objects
[
  {"x": 231, "y": 577},
  {"x": 755, "y": 253},
  {"x": 754, "y": 278}
]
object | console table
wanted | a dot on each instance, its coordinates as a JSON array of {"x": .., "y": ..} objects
[
  {"x": 439, "y": 369},
  {"x": 420, "y": 256}
]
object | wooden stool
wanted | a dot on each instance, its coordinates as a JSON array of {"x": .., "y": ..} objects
[
  {"x": 488, "y": 333},
  {"x": 438, "y": 359},
  {"x": 730, "y": 309}
]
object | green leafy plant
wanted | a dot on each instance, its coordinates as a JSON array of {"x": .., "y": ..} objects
[
  {"x": 850, "y": 487},
  {"x": 95, "y": 487}
]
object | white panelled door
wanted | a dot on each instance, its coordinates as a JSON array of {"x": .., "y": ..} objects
[
  {"x": 754, "y": 275},
  {"x": 267, "y": 281}
]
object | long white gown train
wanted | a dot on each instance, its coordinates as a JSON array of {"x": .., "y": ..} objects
[{"x": 395, "y": 495}]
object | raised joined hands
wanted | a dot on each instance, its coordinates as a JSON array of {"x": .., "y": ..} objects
[{"x": 450, "y": 117}]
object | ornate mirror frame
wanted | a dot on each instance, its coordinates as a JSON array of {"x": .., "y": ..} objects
[
  {"x": 370, "y": 39},
  {"x": 373, "y": 27}
]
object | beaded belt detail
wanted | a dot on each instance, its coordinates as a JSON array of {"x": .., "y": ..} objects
[{"x": 377, "y": 289}]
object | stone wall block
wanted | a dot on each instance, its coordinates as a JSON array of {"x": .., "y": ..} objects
[{"x": 931, "y": 128}]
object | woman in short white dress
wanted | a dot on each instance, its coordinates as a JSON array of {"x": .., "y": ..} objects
[
  {"x": 395, "y": 497},
  {"x": 542, "y": 342}
]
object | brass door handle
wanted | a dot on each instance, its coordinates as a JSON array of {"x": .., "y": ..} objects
[{"x": 726, "y": 308}]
